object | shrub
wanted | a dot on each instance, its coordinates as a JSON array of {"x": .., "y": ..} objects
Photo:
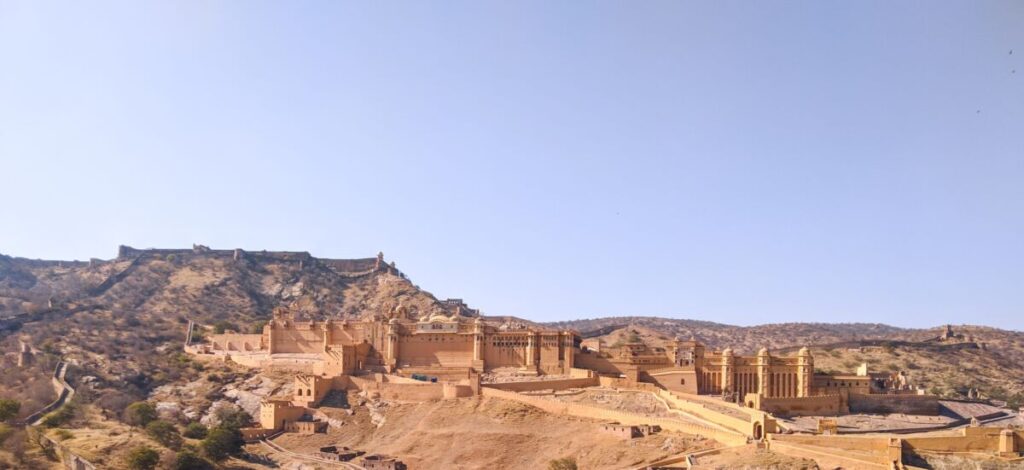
[
  {"x": 195, "y": 431},
  {"x": 9, "y": 408},
  {"x": 59, "y": 417},
  {"x": 222, "y": 326},
  {"x": 257, "y": 327},
  {"x": 165, "y": 433},
  {"x": 222, "y": 442},
  {"x": 63, "y": 434},
  {"x": 139, "y": 413},
  {"x": 233, "y": 417},
  {"x": 564, "y": 463},
  {"x": 188, "y": 460},
  {"x": 143, "y": 458}
]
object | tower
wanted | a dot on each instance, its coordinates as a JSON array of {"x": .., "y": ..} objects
[
  {"x": 764, "y": 362},
  {"x": 804, "y": 373}
]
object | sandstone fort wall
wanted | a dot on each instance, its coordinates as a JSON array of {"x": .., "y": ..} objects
[
  {"x": 907, "y": 404},
  {"x": 535, "y": 385}
]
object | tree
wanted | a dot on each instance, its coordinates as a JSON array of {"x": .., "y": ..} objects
[
  {"x": 188, "y": 460},
  {"x": 564, "y": 463},
  {"x": 233, "y": 417},
  {"x": 257, "y": 327},
  {"x": 143, "y": 458},
  {"x": 9, "y": 408},
  {"x": 222, "y": 442},
  {"x": 165, "y": 433},
  {"x": 139, "y": 413},
  {"x": 222, "y": 326},
  {"x": 195, "y": 430}
]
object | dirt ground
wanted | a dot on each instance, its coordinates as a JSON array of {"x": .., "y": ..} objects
[
  {"x": 750, "y": 458},
  {"x": 487, "y": 433}
]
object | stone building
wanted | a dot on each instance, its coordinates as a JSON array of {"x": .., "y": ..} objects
[
  {"x": 686, "y": 366},
  {"x": 437, "y": 344}
]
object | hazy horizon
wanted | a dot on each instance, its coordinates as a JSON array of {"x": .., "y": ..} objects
[{"x": 741, "y": 163}]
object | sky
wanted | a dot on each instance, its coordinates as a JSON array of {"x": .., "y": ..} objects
[{"x": 738, "y": 162}]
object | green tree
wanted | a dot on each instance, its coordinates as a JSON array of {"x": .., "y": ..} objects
[
  {"x": 222, "y": 326},
  {"x": 165, "y": 433},
  {"x": 233, "y": 417},
  {"x": 222, "y": 442},
  {"x": 188, "y": 460},
  {"x": 195, "y": 430},
  {"x": 139, "y": 413},
  {"x": 9, "y": 408},
  {"x": 60, "y": 417},
  {"x": 564, "y": 463},
  {"x": 257, "y": 327},
  {"x": 143, "y": 458}
]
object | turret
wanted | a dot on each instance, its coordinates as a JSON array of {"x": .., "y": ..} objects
[
  {"x": 805, "y": 372},
  {"x": 727, "y": 370},
  {"x": 764, "y": 362}
]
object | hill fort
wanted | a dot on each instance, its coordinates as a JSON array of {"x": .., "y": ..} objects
[{"x": 340, "y": 362}]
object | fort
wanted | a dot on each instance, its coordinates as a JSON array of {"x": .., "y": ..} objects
[{"x": 451, "y": 352}]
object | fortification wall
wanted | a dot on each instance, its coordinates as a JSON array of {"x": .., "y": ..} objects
[
  {"x": 706, "y": 412},
  {"x": 435, "y": 350},
  {"x": 294, "y": 340},
  {"x": 561, "y": 384},
  {"x": 830, "y": 457},
  {"x": 675, "y": 379},
  {"x": 601, "y": 414},
  {"x": 820, "y": 405},
  {"x": 971, "y": 440},
  {"x": 237, "y": 342},
  {"x": 883, "y": 404},
  {"x": 593, "y": 361},
  {"x": 400, "y": 391}
]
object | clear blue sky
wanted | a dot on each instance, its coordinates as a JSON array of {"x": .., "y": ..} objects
[{"x": 741, "y": 162}]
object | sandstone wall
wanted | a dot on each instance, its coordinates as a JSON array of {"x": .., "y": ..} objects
[
  {"x": 883, "y": 404},
  {"x": 979, "y": 440},
  {"x": 534, "y": 385},
  {"x": 435, "y": 350},
  {"x": 236, "y": 342},
  {"x": 821, "y": 405},
  {"x": 417, "y": 392}
]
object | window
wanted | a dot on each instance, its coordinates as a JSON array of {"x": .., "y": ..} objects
[{"x": 682, "y": 381}]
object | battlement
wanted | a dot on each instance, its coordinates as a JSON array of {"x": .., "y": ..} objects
[{"x": 302, "y": 258}]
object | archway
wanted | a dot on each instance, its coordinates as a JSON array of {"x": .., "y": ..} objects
[{"x": 758, "y": 431}]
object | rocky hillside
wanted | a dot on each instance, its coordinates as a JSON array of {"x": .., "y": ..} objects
[
  {"x": 987, "y": 359},
  {"x": 121, "y": 322}
]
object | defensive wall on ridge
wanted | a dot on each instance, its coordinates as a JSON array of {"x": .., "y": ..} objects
[{"x": 356, "y": 266}]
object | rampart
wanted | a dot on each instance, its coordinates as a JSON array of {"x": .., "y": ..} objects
[
  {"x": 347, "y": 266},
  {"x": 884, "y": 404},
  {"x": 535, "y": 385},
  {"x": 820, "y": 405},
  {"x": 413, "y": 391},
  {"x": 972, "y": 440},
  {"x": 848, "y": 452}
]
